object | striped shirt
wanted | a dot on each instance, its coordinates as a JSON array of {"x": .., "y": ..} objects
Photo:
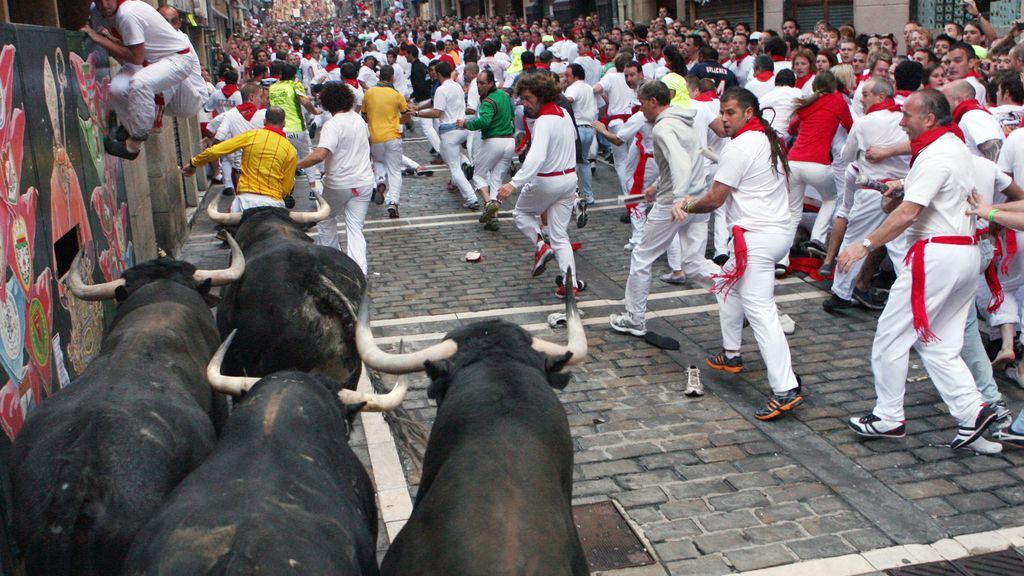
[{"x": 268, "y": 161}]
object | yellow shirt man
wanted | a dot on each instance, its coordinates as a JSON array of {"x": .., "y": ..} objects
[
  {"x": 383, "y": 107},
  {"x": 268, "y": 161}
]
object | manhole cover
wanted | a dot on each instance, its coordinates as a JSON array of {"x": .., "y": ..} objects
[
  {"x": 608, "y": 541},
  {"x": 1005, "y": 563}
]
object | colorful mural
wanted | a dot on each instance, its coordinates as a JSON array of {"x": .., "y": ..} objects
[{"x": 51, "y": 153}]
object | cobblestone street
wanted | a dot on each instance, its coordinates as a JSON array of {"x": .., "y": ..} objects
[{"x": 713, "y": 490}]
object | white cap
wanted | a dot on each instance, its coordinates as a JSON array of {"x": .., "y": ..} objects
[{"x": 755, "y": 36}]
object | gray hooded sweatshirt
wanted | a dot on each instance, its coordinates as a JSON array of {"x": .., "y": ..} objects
[{"x": 677, "y": 152}]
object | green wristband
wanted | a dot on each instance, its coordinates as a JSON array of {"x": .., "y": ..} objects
[{"x": 992, "y": 214}]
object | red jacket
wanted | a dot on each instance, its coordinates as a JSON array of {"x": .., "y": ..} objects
[{"x": 817, "y": 125}]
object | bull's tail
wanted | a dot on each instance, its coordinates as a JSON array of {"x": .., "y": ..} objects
[{"x": 68, "y": 517}]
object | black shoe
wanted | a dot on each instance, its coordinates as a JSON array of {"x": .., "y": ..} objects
[
  {"x": 780, "y": 270},
  {"x": 872, "y": 426},
  {"x": 835, "y": 304},
  {"x": 378, "y": 193},
  {"x": 815, "y": 248},
  {"x": 468, "y": 170},
  {"x": 432, "y": 151},
  {"x": 779, "y": 404},
  {"x": 965, "y": 435},
  {"x": 721, "y": 259},
  {"x": 581, "y": 213},
  {"x": 392, "y": 210},
  {"x": 120, "y": 133},
  {"x": 868, "y": 299},
  {"x": 289, "y": 201},
  {"x": 624, "y": 218},
  {"x": 118, "y": 148},
  {"x": 229, "y": 192}
]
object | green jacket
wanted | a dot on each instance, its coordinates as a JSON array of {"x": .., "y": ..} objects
[{"x": 494, "y": 118}]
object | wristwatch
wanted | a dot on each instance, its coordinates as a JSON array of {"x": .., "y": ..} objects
[{"x": 867, "y": 244}]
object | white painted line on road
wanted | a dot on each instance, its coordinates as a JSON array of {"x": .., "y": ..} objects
[
  {"x": 603, "y": 321},
  {"x": 388, "y": 476},
  {"x": 454, "y": 316},
  {"x": 883, "y": 559}
]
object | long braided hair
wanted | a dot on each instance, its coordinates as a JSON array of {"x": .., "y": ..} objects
[{"x": 746, "y": 99}]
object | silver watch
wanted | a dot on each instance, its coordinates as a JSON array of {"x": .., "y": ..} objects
[{"x": 867, "y": 244}]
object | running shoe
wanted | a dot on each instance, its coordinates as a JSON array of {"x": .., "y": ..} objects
[{"x": 722, "y": 362}]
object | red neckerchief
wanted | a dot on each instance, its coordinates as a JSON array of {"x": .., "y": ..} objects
[
  {"x": 915, "y": 261},
  {"x": 800, "y": 82},
  {"x": 741, "y": 58},
  {"x": 965, "y": 107},
  {"x": 887, "y": 104},
  {"x": 724, "y": 61},
  {"x": 229, "y": 89},
  {"x": 752, "y": 125},
  {"x": 972, "y": 74},
  {"x": 332, "y": 67},
  {"x": 706, "y": 96},
  {"x": 778, "y": 58},
  {"x": 550, "y": 109},
  {"x": 587, "y": 53},
  {"x": 247, "y": 110},
  {"x": 382, "y": 37},
  {"x": 638, "y": 175},
  {"x": 542, "y": 66},
  {"x": 729, "y": 278},
  {"x": 275, "y": 130},
  {"x": 904, "y": 93},
  {"x": 764, "y": 76},
  {"x": 602, "y": 59},
  {"x": 647, "y": 60},
  {"x": 921, "y": 142},
  {"x": 352, "y": 82},
  {"x": 307, "y": 56},
  {"x": 529, "y": 66}
]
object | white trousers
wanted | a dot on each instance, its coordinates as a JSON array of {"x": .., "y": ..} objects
[
  {"x": 473, "y": 140},
  {"x": 865, "y": 217},
  {"x": 243, "y": 202},
  {"x": 753, "y": 297},
  {"x": 491, "y": 161},
  {"x": 353, "y": 202},
  {"x": 177, "y": 78},
  {"x": 951, "y": 273},
  {"x": 692, "y": 244},
  {"x": 426, "y": 125},
  {"x": 300, "y": 140},
  {"x": 387, "y": 166},
  {"x": 660, "y": 233},
  {"x": 620, "y": 156},
  {"x": 1012, "y": 284},
  {"x": 451, "y": 152},
  {"x": 821, "y": 177},
  {"x": 556, "y": 196}
]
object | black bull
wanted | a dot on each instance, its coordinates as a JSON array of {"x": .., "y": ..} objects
[
  {"x": 93, "y": 463},
  {"x": 282, "y": 493},
  {"x": 495, "y": 496},
  {"x": 295, "y": 307}
]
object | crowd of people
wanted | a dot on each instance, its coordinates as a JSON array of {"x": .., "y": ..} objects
[{"x": 886, "y": 157}]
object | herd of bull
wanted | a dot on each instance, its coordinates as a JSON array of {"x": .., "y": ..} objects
[{"x": 141, "y": 467}]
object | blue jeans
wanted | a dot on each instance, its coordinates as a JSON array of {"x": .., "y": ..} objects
[
  {"x": 586, "y": 139},
  {"x": 974, "y": 355}
]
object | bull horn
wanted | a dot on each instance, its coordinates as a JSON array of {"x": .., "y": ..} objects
[
  {"x": 323, "y": 212},
  {"x": 233, "y": 385},
  {"x": 577, "y": 344},
  {"x": 401, "y": 363},
  {"x": 379, "y": 402},
  {"x": 89, "y": 292},
  {"x": 222, "y": 218},
  {"x": 227, "y": 275}
]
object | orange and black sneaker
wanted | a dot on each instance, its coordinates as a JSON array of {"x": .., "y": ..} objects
[
  {"x": 722, "y": 362},
  {"x": 779, "y": 404}
]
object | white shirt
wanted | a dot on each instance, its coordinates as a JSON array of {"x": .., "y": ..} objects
[
  {"x": 347, "y": 138},
  {"x": 496, "y": 66},
  {"x": 553, "y": 148},
  {"x": 990, "y": 183},
  {"x": 358, "y": 93},
  {"x": 472, "y": 100},
  {"x": 979, "y": 127},
  {"x": 591, "y": 68},
  {"x": 584, "y": 104},
  {"x": 782, "y": 99},
  {"x": 742, "y": 69},
  {"x": 310, "y": 69},
  {"x": 219, "y": 103},
  {"x": 880, "y": 128},
  {"x": 1011, "y": 157},
  {"x": 979, "y": 88},
  {"x": 760, "y": 198},
  {"x": 760, "y": 88},
  {"x": 1008, "y": 115},
  {"x": 139, "y": 23},
  {"x": 617, "y": 93},
  {"x": 367, "y": 76},
  {"x": 451, "y": 101},
  {"x": 941, "y": 180}
]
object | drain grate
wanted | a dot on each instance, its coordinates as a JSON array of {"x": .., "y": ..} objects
[
  {"x": 1005, "y": 563},
  {"x": 608, "y": 541}
]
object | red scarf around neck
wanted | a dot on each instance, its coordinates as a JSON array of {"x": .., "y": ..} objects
[
  {"x": 550, "y": 109},
  {"x": 887, "y": 104},
  {"x": 275, "y": 130},
  {"x": 247, "y": 110},
  {"x": 778, "y": 58},
  {"x": 800, "y": 82},
  {"x": 904, "y": 93},
  {"x": 764, "y": 76},
  {"x": 752, "y": 125},
  {"x": 229, "y": 90},
  {"x": 921, "y": 142},
  {"x": 706, "y": 96},
  {"x": 352, "y": 82},
  {"x": 332, "y": 67},
  {"x": 742, "y": 57},
  {"x": 965, "y": 107},
  {"x": 542, "y": 66}
]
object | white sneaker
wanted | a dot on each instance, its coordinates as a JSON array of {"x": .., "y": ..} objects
[
  {"x": 788, "y": 324},
  {"x": 626, "y": 324},
  {"x": 694, "y": 387},
  {"x": 673, "y": 278},
  {"x": 628, "y": 247},
  {"x": 984, "y": 446}
]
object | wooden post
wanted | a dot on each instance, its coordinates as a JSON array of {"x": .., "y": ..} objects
[
  {"x": 37, "y": 12},
  {"x": 5, "y": 16}
]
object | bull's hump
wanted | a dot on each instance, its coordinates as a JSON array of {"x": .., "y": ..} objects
[{"x": 271, "y": 411}]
